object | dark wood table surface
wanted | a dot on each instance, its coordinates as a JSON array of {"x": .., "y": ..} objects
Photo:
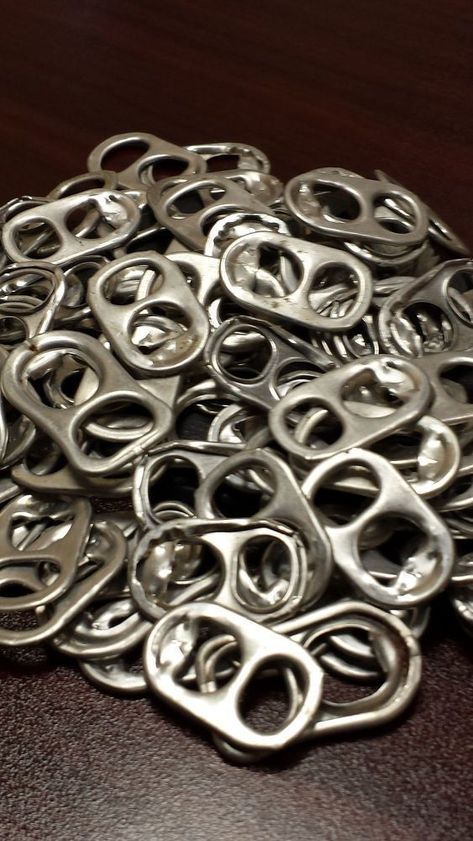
[{"x": 372, "y": 84}]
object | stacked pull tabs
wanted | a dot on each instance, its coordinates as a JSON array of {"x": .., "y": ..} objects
[{"x": 236, "y": 426}]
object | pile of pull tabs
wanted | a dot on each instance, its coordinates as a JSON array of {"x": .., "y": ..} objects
[{"x": 236, "y": 435}]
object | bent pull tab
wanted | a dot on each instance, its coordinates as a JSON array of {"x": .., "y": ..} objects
[
  {"x": 61, "y": 552},
  {"x": 203, "y": 457},
  {"x": 163, "y": 301},
  {"x": 154, "y": 150},
  {"x": 427, "y": 570},
  {"x": 438, "y": 231},
  {"x": 103, "y": 631},
  {"x": 446, "y": 406},
  {"x": 397, "y": 652},
  {"x": 117, "y": 210},
  {"x": 107, "y": 547},
  {"x": 283, "y": 591},
  {"x": 248, "y": 156},
  {"x": 208, "y": 197},
  {"x": 31, "y": 293},
  {"x": 335, "y": 391},
  {"x": 114, "y": 386},
  {"x": 285, "y": 505},
  {"x": 286, "y": 353},
  {"x": 173, "y": 640},
  {"x": 437, "y": 289},
  {"x": 339, "y": 203},
  {"x": 301, "y": 295}
]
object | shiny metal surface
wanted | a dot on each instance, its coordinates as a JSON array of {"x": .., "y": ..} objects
[{"x": 274, "y": 386}]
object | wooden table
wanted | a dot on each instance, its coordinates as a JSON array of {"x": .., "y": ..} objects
[{"x": 371, "y": 84}]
